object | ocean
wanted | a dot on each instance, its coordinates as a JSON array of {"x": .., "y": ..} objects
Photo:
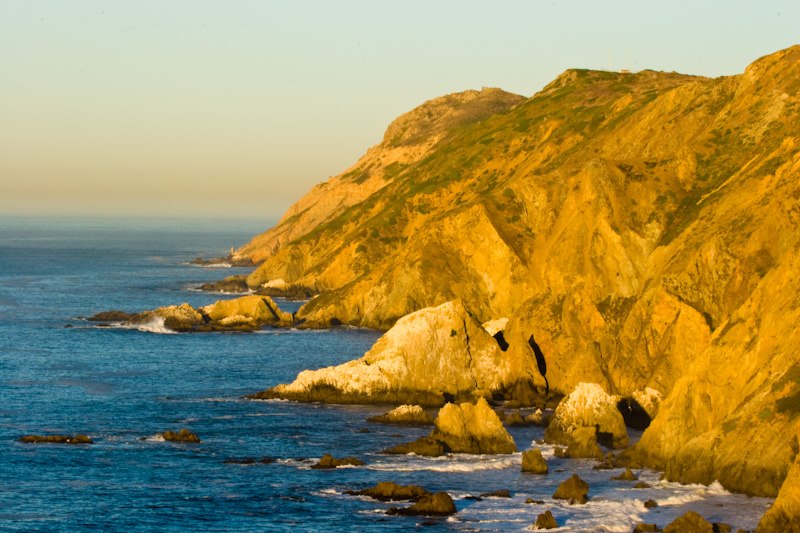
[{"x": 124, "y": 386}]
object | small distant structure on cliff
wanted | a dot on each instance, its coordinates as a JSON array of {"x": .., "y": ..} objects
[{"x": 627, "y": 69}]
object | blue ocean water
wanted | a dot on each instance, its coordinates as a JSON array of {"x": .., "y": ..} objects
[{"x": 120, "y": 386}]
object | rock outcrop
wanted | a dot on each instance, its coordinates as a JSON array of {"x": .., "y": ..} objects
[
  {"x": 405, "y": 415},
  {"x": 246, "y": 313},
  {"x": 588, "y": 405},
  {"x": 545, "y": 521},
  {"x": 574, "y": 490},
  {"x": 533, "y": 462},
  {"x": 472, "y": 428},
  {"x": 463, "y": 428},
  {"x": 691, "y": 522},
  {"x": 388, "y": 491},
  {"x": 427, "y": 358}
]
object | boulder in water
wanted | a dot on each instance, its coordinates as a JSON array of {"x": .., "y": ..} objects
[
  {"x": 626, "y": 476},
  {"x": 575, "y": 490},
  {"x": 546, "y": 521},
  {"x": 472, "y": 428},
  {"x": 387, "y": 491},
  {"x": 328, "y": 462},
  {"x": 533, "y": 462},
  {"x": 408, "y": 415},
  {"x": 439, "y": 504},
  {"x": 183, "y": 436}
]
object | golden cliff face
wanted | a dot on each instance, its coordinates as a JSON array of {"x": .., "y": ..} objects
[{"x": 644, "y": 227}]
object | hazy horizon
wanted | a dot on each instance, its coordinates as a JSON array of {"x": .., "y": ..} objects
[{"x": 177, "y": 109}]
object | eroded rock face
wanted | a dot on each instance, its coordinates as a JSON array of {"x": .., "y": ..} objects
[
  {"x": 428, "y": 356},
  {"x": 472, "y": 428},
  {"x": 784, "y": 515},
  {"x": 587, "y": 405},
  {"x": 407, "y": 415}
]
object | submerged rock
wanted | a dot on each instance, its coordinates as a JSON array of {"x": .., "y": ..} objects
[
  {"x": 575, "y": 490},
  {"x": 55, "y": 439},
  {"x": 691, "y": 522},
  {"x": 545, "y": 521},
  {"x": 329, "y": 462},
  {"x": 439, "y": 504},
  {"x": 387, "y": 491},
  {"x": 183, "y": 436},
  {"x": 587, "y": 405},
  {"x": 533, "y": 462},
  {"x": 249, "y": 461},
  {"x": 410, "y": 415}
]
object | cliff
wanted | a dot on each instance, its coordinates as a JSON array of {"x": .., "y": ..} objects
[{"x": 644, "y": 228}]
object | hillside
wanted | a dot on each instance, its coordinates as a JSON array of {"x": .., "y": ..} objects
[
  {"x": 411, "y": 137},
  {"x": 644, "y": 227}
]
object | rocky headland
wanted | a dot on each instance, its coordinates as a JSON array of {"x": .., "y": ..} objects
[{"x": 640, "y": 232}]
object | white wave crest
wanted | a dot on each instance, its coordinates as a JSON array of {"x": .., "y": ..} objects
[
  {"x": 154, "y": 325},
  {"x": 448, "y": 464}
]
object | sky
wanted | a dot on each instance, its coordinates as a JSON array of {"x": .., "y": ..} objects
[{"x": 236, "y": 109}]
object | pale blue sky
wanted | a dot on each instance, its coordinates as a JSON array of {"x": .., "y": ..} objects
[{"x": 237, "y": 108}]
